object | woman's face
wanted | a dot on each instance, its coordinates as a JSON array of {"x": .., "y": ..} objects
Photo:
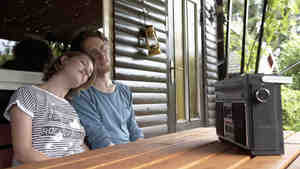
[
  {"x": 99, "y": 50},
  {"x": 78, "y": 69}
]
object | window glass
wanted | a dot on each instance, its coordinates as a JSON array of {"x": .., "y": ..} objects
[
  {"x": 236, "y": 33},
  {"x": 6, "y": 51},
  {"x": 253, "y": 28},
  {"x": 236, "y": 36}
]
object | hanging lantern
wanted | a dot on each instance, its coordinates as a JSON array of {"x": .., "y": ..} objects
[{"x": 151, "y": 41}]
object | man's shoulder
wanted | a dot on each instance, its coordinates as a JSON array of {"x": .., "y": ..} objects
[
  {"x": 124, "y": 90},
  {"x": 122, "y": 86}
]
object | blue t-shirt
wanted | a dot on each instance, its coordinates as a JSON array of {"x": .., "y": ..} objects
[{"x": 107, "y": 117}]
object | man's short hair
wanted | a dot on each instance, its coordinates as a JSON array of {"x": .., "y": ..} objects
[{"x": 82, "y": 36}]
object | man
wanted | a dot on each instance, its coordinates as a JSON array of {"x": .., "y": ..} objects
[{"x": 105, "y": 109}]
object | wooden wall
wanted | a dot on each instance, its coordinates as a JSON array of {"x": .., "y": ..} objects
[
  {"x": 145, "y": 75},
  {"x": 210, "y": 58}
]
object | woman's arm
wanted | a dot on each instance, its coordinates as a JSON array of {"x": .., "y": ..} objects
[{"x": 21, "y": 127}]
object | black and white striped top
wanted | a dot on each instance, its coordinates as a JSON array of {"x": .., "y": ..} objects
[{"x": 56, "y": 129}]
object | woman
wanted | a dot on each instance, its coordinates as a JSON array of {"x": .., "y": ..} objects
[{"x": 43, "y": 123}]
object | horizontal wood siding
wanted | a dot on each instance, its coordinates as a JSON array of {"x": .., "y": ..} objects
[
  {"x": 211, "y": 58},
  {"x": 145, "y": 75}
]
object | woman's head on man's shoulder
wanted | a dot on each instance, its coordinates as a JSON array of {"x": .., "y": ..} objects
[{"x": 76, "y": 67}]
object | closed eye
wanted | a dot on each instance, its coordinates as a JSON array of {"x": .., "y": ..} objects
[{"x": 83, "y": 62}]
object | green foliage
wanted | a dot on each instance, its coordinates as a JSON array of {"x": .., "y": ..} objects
[
  {"x": 251, "y": 52},
  {"x": 278, "y": 33},
  {"x": 279, "y": 21},
  {"x": 5, "y": 57},
  {"x": 289, "y": 55},
  {"x": 279, "y": 25},
  {"x": 291, "y": 108},
  {"x": 6, "y": 54},
  {"x": 58, "y": 48}
]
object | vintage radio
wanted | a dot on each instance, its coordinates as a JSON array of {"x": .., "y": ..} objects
[{"x": 249, "y": 112}]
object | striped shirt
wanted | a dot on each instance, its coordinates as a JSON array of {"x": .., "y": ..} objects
[{"x": 56, "y": 129}]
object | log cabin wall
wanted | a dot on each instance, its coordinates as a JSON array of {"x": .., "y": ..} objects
[
  {"x": 210, "y": 59},
  {"x": 145, "y": 75}
]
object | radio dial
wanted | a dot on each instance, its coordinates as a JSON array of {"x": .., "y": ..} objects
[{"x": 262, "y": 95}]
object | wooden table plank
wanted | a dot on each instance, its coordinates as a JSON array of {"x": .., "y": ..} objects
[
  {"x": 295, "y": 164},
  {"x": 190, "y": 158},
  {"x": 193, "y": 149},
  {"x": 122, "y": 151},
  {"x": 133, "y": 161},
  {"x": 292, "y": 150},
  {"x": 226, "y": 160},
  {"x": 141, "y": 150}
]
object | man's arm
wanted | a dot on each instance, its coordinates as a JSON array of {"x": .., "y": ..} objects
[
  {"x": 134, "y": 130},
  {"x": 136, "y": 133},
  {"x": 97, "y": 135}
]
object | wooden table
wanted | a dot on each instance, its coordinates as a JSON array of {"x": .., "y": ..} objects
[{"x": 197, "y": 148}]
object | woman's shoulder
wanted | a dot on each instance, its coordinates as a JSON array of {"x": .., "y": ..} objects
[
  {"x": 28, "y": 93},
  {"x": 25, "y": 98},
  {"x": 25, "y": 90},
  {"x": 32, "y": 92}
]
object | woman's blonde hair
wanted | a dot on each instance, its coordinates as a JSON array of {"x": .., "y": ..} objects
[{"x": 56, "y": 65}]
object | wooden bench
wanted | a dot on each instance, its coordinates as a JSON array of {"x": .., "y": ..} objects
[
  {"x": 5, "y": 146},
  {"x": 196, "y": 148},
  {"x": 5, "y": 135}
]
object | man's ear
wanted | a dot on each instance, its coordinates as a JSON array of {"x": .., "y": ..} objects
[{"x": 63, "y": 59}]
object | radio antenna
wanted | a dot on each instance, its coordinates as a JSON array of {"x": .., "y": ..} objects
[
  {"x": 244, "y": 36},
  {"x": 261, "y": 36}
]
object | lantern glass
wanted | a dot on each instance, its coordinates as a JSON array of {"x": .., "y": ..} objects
[{"x": 151, "y": 41}]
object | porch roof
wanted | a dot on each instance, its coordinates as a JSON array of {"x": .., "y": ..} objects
[{"x": 50, "y": 19}]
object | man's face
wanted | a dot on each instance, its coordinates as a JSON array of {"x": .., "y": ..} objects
[{"x": 99, "y": 50}]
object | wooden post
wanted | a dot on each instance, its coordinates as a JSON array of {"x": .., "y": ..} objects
[{"x": 108, "y": 27}]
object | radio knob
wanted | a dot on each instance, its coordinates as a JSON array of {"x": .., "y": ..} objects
[{"x": 262, "y": 95}]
